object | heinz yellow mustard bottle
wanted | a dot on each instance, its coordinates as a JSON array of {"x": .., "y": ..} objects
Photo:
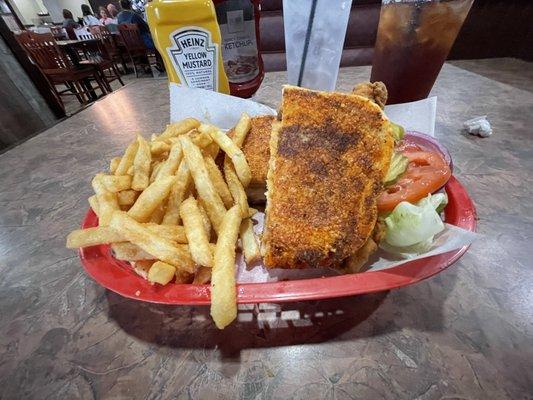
[{"x": 187, "y": 35}]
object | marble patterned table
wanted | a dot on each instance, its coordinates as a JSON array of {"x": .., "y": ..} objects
[{"x": 464, "y": 334}]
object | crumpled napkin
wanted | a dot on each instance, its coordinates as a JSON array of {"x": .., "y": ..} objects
[{"x": 479, "y": 126}]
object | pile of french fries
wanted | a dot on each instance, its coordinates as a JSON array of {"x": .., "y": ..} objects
[{"x": 167, "y": 208}]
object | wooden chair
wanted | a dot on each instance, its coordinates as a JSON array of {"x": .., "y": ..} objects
[
  {"x": 137, "y": 51},
  {"x": 70, "y": 33},
  {"x": 57, "y": 68},
  {"x": 57, "y": 32},
  {"x": 112, "y": 52},
  {"x": 83, "y": 33},
  {"x": 97, "y": 56}
]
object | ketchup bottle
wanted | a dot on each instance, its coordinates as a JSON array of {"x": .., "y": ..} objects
[{"x": 239, "y": 28}]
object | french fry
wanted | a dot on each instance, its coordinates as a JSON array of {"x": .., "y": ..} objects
[
  {"x": 184, "y": 277},
  {"x": 218, "y": 182},
  {"x": 161, "y": 273},
  {"x": 177, "y": 194},
  {"x": 106, "y": 235},
  {"x": 241, "y": 130},
  {"x": 235, "y": 187},
  {"x": 97, "y": 183},
  {"x": 211, "y": 150},
  {"x": 107, "y": 201},
  {"x": 202, "y": 276},
  {"x": 153, "y": 137},
  {"x": 252, "y": 211},
  {"x": 172, "y": 163},
  {"x": 127, "y": 159},
  {"x": 151, "y": 198},
  {"x": 223, "y": 292},
  {"x": 200, "y": 139},
  {"x": 250, "y": 247},
  {"x": 93, "y": 202},
  {"x": 141, "y": 165},
  {"x": 113, "y": 165},
  {"x": 157, "y": 215},
  {"x": 107, "y": 204},
  {"x": 141, "y": 267},
  {"x": 127, "y": 197},
  {"x": 156, "y": 245},
  {"x": 171, "y": 232},
  {"x": 212, "y": 202},
  {"x": 116, "y": 183},
  {"x": 92, "y": 237},
  {"x": 158, "y": 148},
  {"x": 157, "y": 165},
  {"x": 178, "y": 128},
  {"x": 205, "y": 217},
  {"x": 233, "y": 151},
  {"x": 127, "y": 251},
  {"x": 197, "y": 237},
  {"x": 239, "y": 194}
]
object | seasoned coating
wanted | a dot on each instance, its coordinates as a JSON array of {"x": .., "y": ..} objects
[
  {"x": 256, "y": 149},
  {"x": 376, "y": 91},
  {"x": 354, "y": 264},
  {"x": 329, "y": 155},
  {"x": 257, "y": 152}
]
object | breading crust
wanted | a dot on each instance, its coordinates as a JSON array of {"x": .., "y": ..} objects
[{"x": 329, "y": 156}]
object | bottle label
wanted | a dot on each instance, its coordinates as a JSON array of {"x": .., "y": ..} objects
[
  {"x": 239, "y": 45},
  {"x": 195, "y": 57}
]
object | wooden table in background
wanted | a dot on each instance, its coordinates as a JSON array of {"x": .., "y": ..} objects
[
  {"x": 73, "y": 47},
  {"x": 466, "y": 333}
]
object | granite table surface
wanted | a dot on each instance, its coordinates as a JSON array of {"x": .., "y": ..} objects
[{"x": 465, "y": 333}]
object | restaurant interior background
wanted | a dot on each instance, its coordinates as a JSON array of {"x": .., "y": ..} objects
[{"x": 28, "y": 105}]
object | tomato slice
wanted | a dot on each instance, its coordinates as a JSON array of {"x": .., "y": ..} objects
[
  {"x": 426, "y": 173},
  {"x": 404, "y": 147}
]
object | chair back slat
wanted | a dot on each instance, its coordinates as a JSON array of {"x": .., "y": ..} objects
[
  {"x": 43, "y": 50},
  {"x": 70, "y": 33},
  {"x": 83, "y": 34},
  {"x": 131, "y": 38},
  {"x": 58, "y": 32},
  {"x": 109, "y": 46}
]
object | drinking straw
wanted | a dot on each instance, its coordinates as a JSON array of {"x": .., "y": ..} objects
[{"x": 307, "y": 38}]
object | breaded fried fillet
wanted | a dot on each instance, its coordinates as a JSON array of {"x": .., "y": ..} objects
[
  {"x": 257, "y": 151},
  {"x": 375, "y": 91},
  {"x": 329, "y": 155}
]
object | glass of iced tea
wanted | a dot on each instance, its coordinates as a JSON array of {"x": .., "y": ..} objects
[{"x": 414, "y": 38}]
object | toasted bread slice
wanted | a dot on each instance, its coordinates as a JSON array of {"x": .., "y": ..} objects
[{"x": 329, "y": 155}]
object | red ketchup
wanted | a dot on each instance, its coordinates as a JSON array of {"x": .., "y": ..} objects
[{"x": 239, "y": 29}]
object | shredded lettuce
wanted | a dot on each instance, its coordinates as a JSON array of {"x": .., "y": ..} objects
[
  {"x": 398, "y": 165},
  {"x": 410, "y": 228},
  {"x": 397, "y": 131},
  {"x": 408, "y": 251}
]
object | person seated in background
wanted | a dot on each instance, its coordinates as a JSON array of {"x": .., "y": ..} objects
[
  {"x": 88, "y": 18},
  {"x": 128, "y": 16},
  {"x": 112, "y": 10},
  {"x": 138, "y": 7},
  {"x": 68, "y": 20},
  {"x": 105, "y": 18}
]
